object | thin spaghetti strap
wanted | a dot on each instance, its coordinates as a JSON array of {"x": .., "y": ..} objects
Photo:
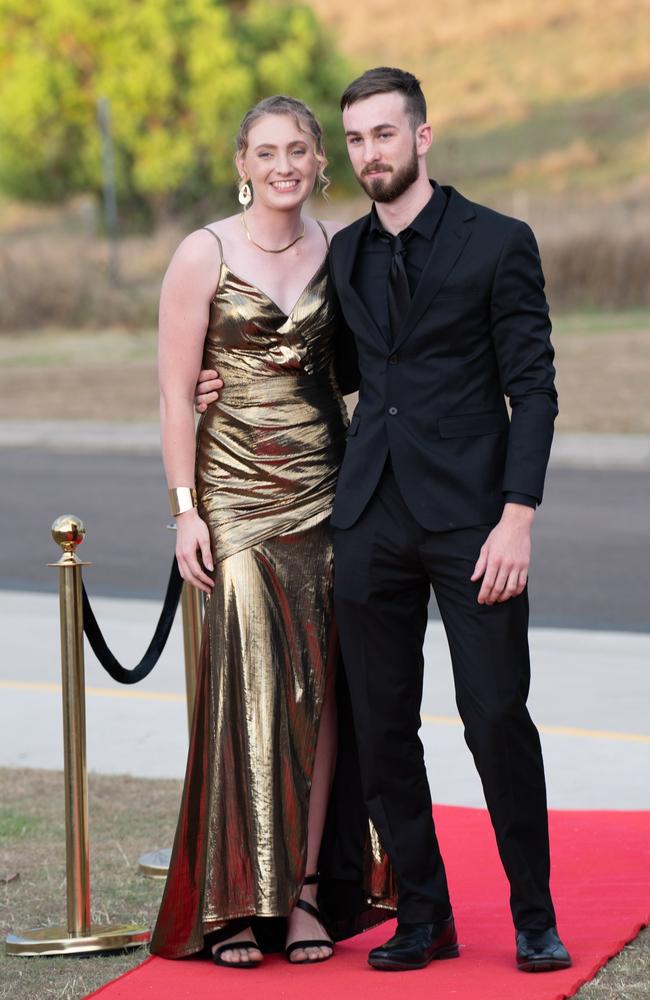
[
  {"x": 208, "y": 230},
  {"x": 324, "y": 231},
  {"x": 222, "y": 262}
]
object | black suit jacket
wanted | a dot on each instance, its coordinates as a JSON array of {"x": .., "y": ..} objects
[{"x": 477, "y": 329}]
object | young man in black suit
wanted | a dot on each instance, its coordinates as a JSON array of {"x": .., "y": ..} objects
[
  {"x": 446, "y": 303},
  {"x": 445, "y": 311}
]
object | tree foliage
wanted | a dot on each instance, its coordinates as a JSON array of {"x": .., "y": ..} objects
[{"x": 179, "y": 75}]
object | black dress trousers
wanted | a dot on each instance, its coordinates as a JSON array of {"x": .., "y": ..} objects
[{"x": 384, "y": 566}]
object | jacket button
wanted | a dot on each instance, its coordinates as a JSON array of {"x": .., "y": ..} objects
[
  {"x": 393, "y": 411},
  {"x": 392, "y": 359}
]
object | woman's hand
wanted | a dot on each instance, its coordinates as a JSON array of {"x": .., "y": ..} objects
[{"x": 192, "y": 537}]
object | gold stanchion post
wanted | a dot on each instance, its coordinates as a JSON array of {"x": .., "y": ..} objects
[
  {"x": 155, "y": 864},
  {"x": 79, "y": 934}
]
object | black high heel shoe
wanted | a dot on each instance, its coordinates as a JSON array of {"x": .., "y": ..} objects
[
  {"x": 251, "y": 963},
  {"x": 302, "y": 904}
]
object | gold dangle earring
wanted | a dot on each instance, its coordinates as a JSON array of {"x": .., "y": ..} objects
[{"x": 245, "y": 194}]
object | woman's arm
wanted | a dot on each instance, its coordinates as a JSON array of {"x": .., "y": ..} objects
[{"x": 185, "y": 297}]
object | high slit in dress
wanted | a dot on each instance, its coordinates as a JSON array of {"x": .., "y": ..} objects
[{"x": 267, "y": 458}]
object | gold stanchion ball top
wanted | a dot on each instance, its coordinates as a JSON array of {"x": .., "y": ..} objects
[{"x": 68, "y": 531}]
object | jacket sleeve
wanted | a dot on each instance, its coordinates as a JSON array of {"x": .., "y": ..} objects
[
  {"x": 521, "y": 333},
  {"x": 346, "y": 358}
]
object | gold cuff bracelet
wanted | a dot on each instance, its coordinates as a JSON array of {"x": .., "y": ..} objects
[{"x": 182, "y": 498}]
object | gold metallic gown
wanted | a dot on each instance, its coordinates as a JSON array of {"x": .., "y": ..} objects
[{"x": 267, "y": 458}]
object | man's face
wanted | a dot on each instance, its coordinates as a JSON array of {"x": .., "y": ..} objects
[{"x": 384, "y": 150}]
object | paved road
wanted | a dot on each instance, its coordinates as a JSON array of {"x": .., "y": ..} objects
[{"x": 591, "y": 544}]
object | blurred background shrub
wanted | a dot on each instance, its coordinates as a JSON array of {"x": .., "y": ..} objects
[
  {"x": 539, "y": 110},
  {"x": 179, "y": 75}
]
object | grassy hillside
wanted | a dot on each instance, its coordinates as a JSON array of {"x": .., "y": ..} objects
[{"x": 544, "y": 96}]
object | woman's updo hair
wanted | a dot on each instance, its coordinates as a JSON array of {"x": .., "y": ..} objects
[{"x": 304, "y": 118}]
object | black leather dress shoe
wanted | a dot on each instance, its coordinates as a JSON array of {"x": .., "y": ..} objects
[
  {"x": 415, "y": 945},
  {"x": 541, "y": 951}
]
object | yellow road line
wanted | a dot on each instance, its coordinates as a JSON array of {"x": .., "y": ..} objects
[
  {"x": 596, "y": 734},
  {"x": 51, "y": 688},
  {"x": 589, "y": 734},
  {"x": 441, "y": 720}
]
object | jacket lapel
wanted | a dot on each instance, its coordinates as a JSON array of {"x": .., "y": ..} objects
[
  {"x": 449, "y": 243},
  {"x": 354, "y": 308}
]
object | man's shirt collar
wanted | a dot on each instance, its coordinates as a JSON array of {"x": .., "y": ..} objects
[{"x": 425, "y": 222}]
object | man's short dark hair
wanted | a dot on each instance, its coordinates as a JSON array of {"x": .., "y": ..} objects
[{"x": 386, "y": 80}]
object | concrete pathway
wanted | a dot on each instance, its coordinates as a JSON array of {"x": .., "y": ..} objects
[
  {"x": 580, "y": 451},
  {"x": 589, "y": 697}
]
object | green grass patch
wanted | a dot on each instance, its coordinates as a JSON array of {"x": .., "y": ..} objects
[
  {"x": 63, "y": 349},
  {"x": 589, "y": 142},
  {"x": 595, "y": 321},
  {"x": 71, "y": 349},
  {"x": 14, "y": 825}
]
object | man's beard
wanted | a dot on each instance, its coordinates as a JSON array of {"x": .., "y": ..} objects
[{"x": 389, "y": 189}]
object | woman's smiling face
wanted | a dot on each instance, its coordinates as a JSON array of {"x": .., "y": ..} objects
[{"x": 280, "y": 162}]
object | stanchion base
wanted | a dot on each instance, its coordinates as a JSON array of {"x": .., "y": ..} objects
[
  {"x": 58, "y": 940},
  {"x": 155, "y": 864}
]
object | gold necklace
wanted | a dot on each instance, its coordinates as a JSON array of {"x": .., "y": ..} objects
[{"x": 265, "y": 249}]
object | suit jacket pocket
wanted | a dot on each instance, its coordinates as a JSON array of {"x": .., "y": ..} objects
[{"x": 472, "y": 424}]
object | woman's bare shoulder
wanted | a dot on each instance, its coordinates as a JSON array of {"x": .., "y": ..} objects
[
  {"x": 222, "y": 227},
  {"x": 199, "y": 249},
  {"x": 197, "y": 243}
]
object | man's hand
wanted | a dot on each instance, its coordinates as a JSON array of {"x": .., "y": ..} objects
[
  {"x": 206, "y": 389},
  {"x": 505, "y": 556}
]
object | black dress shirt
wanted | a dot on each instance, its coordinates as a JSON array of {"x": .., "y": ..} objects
[{"x": 370, "y": 274}]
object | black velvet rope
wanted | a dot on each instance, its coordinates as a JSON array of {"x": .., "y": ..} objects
[{"x": 99, "y": 647}]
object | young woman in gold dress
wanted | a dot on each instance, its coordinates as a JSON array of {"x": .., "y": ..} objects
[{"x": 262, "y": 811}]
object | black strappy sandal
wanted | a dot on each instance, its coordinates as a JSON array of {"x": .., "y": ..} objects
[
  {"x": 232, "y": 946},
  {"x": 302, "y": 904}
]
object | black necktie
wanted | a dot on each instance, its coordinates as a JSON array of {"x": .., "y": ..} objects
[{"x": 399, "y": 293}]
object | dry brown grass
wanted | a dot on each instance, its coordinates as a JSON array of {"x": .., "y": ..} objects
[
  {"x": 53, "y": 278},
  {"x": 603, "y": 382},
  {"x": 595, "y": 253},
  {"x": 54, "y": 271},
  {"x": 542, "y": 96},
  {"x": 603, "y": 363},
  {"x": 85, "y": 375},
  {"x": 483, "y": 60},
  {"x": 127, "y": 817},
  {"x": 626, "y": 977}
]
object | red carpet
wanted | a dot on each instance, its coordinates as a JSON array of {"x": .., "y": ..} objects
[{"x": 601, "y": 887}]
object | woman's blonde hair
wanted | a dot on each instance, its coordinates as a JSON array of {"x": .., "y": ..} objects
[{"x": 304, "y": 118}]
